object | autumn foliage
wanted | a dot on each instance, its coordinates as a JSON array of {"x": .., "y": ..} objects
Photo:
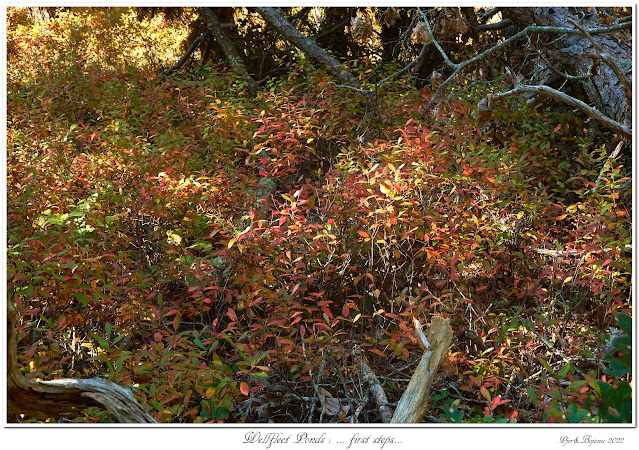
[{"x": 222, "y": 254}]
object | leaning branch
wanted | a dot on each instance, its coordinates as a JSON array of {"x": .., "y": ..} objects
[
  {"x": 412, "y": 406},
  {"x": 194, "y": 46},
  {"x": 215, "y": 27},
  {"x": 549, "y": 92},
  {"x": 314, "y": 51}
]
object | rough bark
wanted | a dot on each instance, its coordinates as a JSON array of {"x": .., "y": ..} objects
[
  {"x": 58, "y": 398},
  {"x": 575, "y": 54},
  {"x": 215, "y": 27},
  {"x": 414, "y": 402},
  {"x": 315, "y": 52}
]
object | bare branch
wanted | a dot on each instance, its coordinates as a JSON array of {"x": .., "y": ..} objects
[
  {"x": 435, "y": 42},
  {"x": 374, "y": 386},
  {"x": 194, "y": 46},
  {"x": 458, "y": 67},
  {"x": 495, "y": 26},
  {"x": 568, "y": 100},
  {"x": 606, "y": 165}
]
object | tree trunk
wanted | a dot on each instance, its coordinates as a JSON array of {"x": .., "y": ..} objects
[
  {"x": 316, "y": 53},
  {"x": 575, "y": 54},
  {"x": 229, "y": 50},
  {"x": 57, "y": 398}
]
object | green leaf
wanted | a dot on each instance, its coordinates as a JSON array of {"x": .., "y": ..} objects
[
  {"x": 625, "y": 323},
  {"x": 533, "y": 396},
  {"x": 102, "y": 342},
  {"x": 119, "y": 338},
  {"x": 157, "y": 405},
  {"x": 83, "y": 299},
  {"x": 564, "y": 371},
  {"x": 199, "y": 344},
  {"x": 123, "y": 357}
]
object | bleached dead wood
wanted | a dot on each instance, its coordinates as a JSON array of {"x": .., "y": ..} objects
[
  {"x": 57, "y": 398},
  {"x": 412, "y": 406}
]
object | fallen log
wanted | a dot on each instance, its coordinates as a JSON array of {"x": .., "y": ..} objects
[{"x": 58, "y": 398}]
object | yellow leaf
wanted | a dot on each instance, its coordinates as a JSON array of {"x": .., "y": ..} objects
[
  {"x": 231, "y": 242},
  {"x": 245, "y": 230},
  {"x": 384, "y": 189},
  {"x": 356, "y": 318}
]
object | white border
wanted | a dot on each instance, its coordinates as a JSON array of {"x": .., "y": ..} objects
[{"x": 161, "y": 436}]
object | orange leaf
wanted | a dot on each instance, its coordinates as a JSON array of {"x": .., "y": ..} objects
[
  {"x": 244, "y": 388},
  {"x": 363, "y": 234}
]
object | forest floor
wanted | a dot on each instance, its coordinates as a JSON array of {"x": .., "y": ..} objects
[{"x": 224, "y": 254}]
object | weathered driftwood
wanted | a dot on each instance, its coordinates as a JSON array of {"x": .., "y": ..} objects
[
  {"x": 58, "y": 398},
  {"x": 412, "y": 406}
]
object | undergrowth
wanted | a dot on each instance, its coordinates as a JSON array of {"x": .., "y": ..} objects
[{"x": 223, "y": 254}]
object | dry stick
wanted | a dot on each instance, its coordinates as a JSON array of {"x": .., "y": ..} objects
[
  {"x": 412, "y": 406},
  {"x": 495, "y": 26},
  {"x": 612, "y": 156},
  {"x": 360, "y": 408},
  {"x": 56, "y": 398},
  {"x": 568, "y": 100},
  {"x": 374, "y": 386}
]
